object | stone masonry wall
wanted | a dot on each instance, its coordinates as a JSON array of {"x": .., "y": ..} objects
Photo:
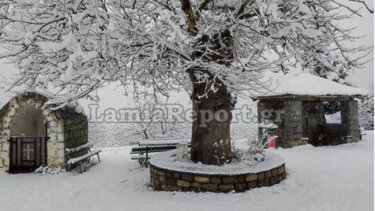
[
  {"x": 75, "y": 130},
  {"x": 290, "y": 126},
  {"x": 166, "y": 180},
  {"x": 350, "y": 121}
]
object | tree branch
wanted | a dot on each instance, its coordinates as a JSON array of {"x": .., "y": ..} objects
[
  {"x": 202, "y": 7},
  {"x": 192, "y": 22},
  {"x": 371, "y": 10},
  {"x": 241, "y": 12}
]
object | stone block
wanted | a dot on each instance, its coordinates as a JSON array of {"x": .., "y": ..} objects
[
  {"x": 13, "y": 103},
  {"x": 162, "y": 179},
  {"x": 274, "y": 172},
  {"x": 202, "y": 179},
  {"x": 268, "y": 174},
  {"x": 251, "y": 178},
  {"x": 187, "y": 177},
  {"x": 52, "y": 123},
  {"x": 241, "y": 179},
  {"x": 196, "y": 185},
  {"x": 226, "y": 187},
  {"x": 262, "y": 183},
  {"x": 171, "y": 181},
  {"x": 161, "y": 173},
  {"x": 216, "y": 180},
  {"x": 12, "y": 111},
  {"x": 5, "y": 157},
  {"x": 155, "y": 183},
  {"x": 60, "y": 137},
  {"x": 46, "y": 111},
  {"x": 6, "y": 121},
  {"x": 182, "y": 183},
  {"x": 60, "y": 153},
  {"x": 261, "y": 176},
  {"x": 228, "y": 180},
  {"x": 45, "y": 106},
  {"x": 209, "y": 186}
]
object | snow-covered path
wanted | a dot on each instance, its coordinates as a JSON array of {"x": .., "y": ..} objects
[{"x": 323, "y": 178}]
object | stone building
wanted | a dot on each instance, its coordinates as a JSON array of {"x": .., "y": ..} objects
[
  {"x": 33, "y": 133},
  {"x": 311, "y": 109}
]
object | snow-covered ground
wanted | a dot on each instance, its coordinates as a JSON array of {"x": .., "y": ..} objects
[{"x": 322, "y": 178}]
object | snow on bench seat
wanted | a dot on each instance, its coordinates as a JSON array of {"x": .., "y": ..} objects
[{"x": 83, "y": 157}]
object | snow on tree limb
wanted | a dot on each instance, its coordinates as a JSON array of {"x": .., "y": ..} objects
[{"x": 79, "y": 45}]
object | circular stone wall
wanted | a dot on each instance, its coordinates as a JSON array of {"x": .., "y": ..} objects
[{"x": 169, "y": 175}]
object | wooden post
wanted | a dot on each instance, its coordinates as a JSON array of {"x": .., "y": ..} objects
[{"x": 146, "y": 164}]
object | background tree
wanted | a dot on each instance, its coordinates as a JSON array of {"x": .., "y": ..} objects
[
  {"x": 219, "y": 48},
  {"x": 366, "y": 111}
]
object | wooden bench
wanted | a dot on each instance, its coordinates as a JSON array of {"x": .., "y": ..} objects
[
  {"x": 81, "y": 154},
  {"x": 144, "y": 148},
  {"x": 163, "y": 142}
]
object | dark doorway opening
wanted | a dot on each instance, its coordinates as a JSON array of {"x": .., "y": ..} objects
[{"x": 27, "y": 153}]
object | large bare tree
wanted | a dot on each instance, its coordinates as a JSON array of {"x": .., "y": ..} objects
[{"x": 219, "y": 48}]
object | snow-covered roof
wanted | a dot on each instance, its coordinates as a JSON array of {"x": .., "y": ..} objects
[
  {"x": 18, "y": 91},
  {"x": 306, "y": 84}
]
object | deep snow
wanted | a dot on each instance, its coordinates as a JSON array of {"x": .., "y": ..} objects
[{"x": 319, "y": 178}]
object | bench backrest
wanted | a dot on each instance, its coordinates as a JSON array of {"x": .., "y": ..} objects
[
  {"x": 78, "y": 151},
  {"x": 151, "y": 149}
]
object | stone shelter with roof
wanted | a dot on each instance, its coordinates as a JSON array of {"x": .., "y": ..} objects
[
  {"x": 34, "y": 132},
  {"x": 310, "y": 109}
]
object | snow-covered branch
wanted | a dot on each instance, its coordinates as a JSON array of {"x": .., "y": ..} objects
[{"x": 79, "y": 45}]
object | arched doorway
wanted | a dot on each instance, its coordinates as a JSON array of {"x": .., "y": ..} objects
[{"x": 28, "y": 139}]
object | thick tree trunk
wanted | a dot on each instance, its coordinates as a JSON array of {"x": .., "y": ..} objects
[
  {"x": 212, "y": 103},
  {"x": 210, "y": 142}
]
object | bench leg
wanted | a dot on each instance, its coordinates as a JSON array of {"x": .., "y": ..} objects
[
  {"x": 98, "y": 157},
  {"x": 146, "y": 160},
  {"x": 81, "y": 166}
]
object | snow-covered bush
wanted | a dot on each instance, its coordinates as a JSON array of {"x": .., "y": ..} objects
[
  {"x": 182, "y": 153},
  {"x": 256, "y": 150},
  {"x": 366, "y": 111},
  {"x": 237, "y": 154}
]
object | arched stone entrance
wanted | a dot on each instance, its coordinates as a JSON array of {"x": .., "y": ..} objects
[{"x": 29, "y": 115}]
